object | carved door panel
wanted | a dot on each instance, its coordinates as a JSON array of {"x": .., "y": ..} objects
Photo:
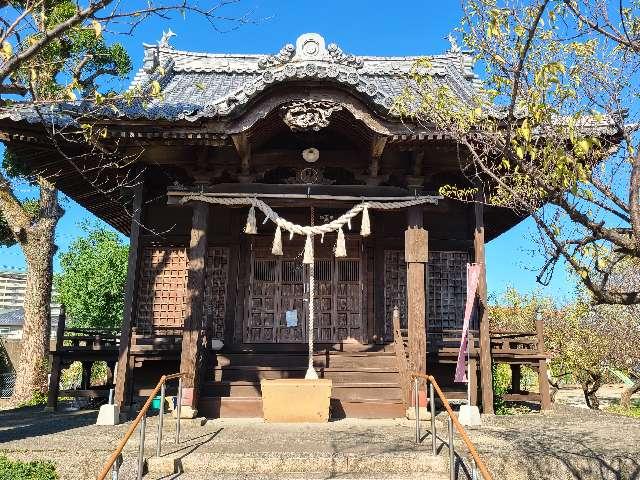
[
  {"x": 395, "y": 289},
  {"x": 278, "y": 308},
  {"x": 324, "y": 300},
  {"x": 260, "y": 322},
  {"x": 348, "y": 300},
  {"x": 292, "y": 313},
  {"x": 215, "y": 290}
]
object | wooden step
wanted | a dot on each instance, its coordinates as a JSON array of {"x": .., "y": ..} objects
[
  {"x": 251, "y": 407},
  {"x": 338, "y": 375},
  {"x": 230, "y": 407},
  {"x": 331, "y": 360},
  {"x": 366, "y": 392},
  {"x": 231, "y": 389},
  {"x": 377, "y": 409},
  {"x": 359, "y": 391}
]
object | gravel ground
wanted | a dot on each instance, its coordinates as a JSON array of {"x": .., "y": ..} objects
[{"x": 568, "y": 442}]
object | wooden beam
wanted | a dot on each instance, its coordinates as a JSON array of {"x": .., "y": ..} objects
[
  {"x": 243, "y": 147},
  {"x": 191, "y": 357},
  {"x": 123, "y": 395},
  {"x": 543, "y": 379},
  {"x": 416, "y": 255},
  {"x": 328, "y": 193},
  {"x": 486, "y": 382}
]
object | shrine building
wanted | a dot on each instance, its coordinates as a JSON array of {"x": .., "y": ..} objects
[{"x": 258, "y": 188}]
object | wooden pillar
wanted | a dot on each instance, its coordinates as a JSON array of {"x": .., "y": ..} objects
[
  {"x": 516, "y": 376},
  {"x": 56, "y": 367},
  {"x": 473, "y": 371},
  {"x": 123, "y": 391},
  {"x": 85, "y": 383},
  {"x": 416, "y": 256},
  {"x": 110, "y": 371},
  {"x": 486, "y": 382},
  {"x": 543, "y": 380},
  {"x": 193, "y": 334}
]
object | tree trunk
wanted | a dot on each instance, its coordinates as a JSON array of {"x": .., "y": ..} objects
[
  {"x": 590, "y": 387},
  {"x": 38, "y": 247},
  {"x": 625, "y": 397}
]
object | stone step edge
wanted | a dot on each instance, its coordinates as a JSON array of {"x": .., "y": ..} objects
[{"x": 297, "y": 463}]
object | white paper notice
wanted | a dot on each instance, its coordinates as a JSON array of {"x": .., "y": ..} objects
[{"x": 291, "y": 317}]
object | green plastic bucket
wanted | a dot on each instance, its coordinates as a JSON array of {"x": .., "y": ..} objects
[{"x": 155, "y": 403}]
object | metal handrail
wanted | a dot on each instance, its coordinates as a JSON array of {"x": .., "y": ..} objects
[
  {"x": 115, "y": 459},
  {"x": 452, "y": 422}
]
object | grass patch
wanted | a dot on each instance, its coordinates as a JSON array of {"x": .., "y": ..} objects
[
  {"x": 633, "y": 411},
  {"x": 37, "y": 398},
  {"x": 37, "y": 470},
  {"x": 510, "y": 408}
]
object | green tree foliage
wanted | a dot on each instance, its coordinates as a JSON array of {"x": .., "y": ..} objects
[
  {"x": 91, "y": 285},
  {"x": 553, "y": 130},
  {"x": 72, "y": 62}
]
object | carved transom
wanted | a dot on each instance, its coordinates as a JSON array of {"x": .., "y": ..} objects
[
  {"x": 309, "y": 176},
  {"x": 306, "y": 115}
]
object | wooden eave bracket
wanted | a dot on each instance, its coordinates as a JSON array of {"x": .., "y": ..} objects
[
  {"x": 378, "y": 144},
  {"x": 243, "y": 147}
]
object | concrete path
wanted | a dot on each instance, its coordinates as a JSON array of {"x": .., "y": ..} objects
[{"x": 566, "y": 443}]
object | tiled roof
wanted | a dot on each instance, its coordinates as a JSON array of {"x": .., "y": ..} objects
[
  {"x": 202, "y": 85},
  {"x": 12, "y": 318},
  {"x": 196, "y": 85}
]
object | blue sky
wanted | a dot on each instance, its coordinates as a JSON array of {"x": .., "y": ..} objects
[{"x": 361, "y": 27}]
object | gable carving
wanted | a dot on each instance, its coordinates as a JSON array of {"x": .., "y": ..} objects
[{"x": 306, "y": 115}]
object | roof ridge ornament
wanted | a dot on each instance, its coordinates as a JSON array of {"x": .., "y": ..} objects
[
  {"x": 283, "y": 56},
  {"x": 345, "y": 59},
  {"x": 310, "y": 47},
  {"x": 454, "y": 48},
  {"x": 166, "y": 37}
]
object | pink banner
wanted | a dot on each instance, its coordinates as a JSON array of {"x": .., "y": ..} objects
[{"x": 473, "y": 276}]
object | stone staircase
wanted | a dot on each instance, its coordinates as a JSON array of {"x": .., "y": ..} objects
[
  {"x": 248, "y": 448},
  {"x": 365, "y": 383}
]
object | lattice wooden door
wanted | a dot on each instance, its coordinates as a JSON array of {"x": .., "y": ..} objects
[
  {"x": 278, "y": 296},
  {"x": 162, "y": 292},
  {"x": 338, "y": 299},
  {"x": 446, "y": 284}
]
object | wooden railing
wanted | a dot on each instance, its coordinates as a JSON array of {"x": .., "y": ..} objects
[
  {"x": 452, "y": 420},
  {"x": 115, "y": 458},
  {"x": 90, "y": 339},
  {"x": 156, "y": 339}
]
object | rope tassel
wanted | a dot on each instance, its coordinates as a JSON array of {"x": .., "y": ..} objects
[
  {"x": 341, "y": 248},
  {"x": 308, "y": 251},
  {"x": 250, "y": 227},
  {"x": 276, "y": 249},
  {"x": 365, "y": 226}
]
